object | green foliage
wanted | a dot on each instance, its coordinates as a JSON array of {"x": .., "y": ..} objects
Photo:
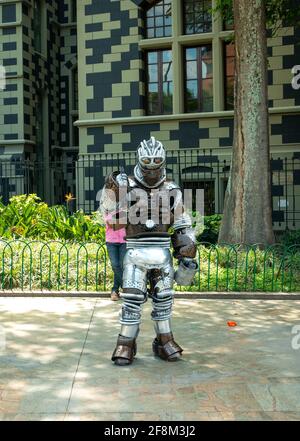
[
  {"x": 290, "y": 238},
  {"x": 61, "y": 265},
  {"x": 211, "y": 229},
  {"x": 278, "y": 12},
  {"x": 282, "y": 12},
  {"x": 26, "y": 216},
  {"x": 234, "y": 268}
]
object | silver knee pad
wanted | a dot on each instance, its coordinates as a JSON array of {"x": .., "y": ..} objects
[
  {"x": 162, "y": 305},
  {"x": 134, "y": 277}
]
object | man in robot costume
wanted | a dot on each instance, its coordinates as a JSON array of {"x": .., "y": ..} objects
[{"x": 148, "y": 258}]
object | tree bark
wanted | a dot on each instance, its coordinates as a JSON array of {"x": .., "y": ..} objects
[{"x": 247, "y": 216}]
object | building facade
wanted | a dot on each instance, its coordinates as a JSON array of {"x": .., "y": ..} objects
[{"x": 87, "y": 80}]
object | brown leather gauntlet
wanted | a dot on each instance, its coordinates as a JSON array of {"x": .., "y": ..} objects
[{"x": 183, "y": 244}]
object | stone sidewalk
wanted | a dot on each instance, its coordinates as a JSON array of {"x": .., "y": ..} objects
[{"x": 55, "y": 362}]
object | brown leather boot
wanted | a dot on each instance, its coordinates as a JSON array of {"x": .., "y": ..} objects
[
  {"x": 125, "y": 351},
  {"x": 166, "y": 348}
]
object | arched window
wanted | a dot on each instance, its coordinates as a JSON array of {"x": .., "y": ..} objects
[{"x": 158, "y": 19}]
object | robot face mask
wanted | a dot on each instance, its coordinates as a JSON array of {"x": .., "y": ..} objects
[{"x": 151, "y": 157}]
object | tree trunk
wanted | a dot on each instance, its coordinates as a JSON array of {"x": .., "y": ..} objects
[{"x": 247, "y": 216}]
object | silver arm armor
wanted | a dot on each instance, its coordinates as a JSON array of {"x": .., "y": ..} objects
[{"x": 183, "y": 239}]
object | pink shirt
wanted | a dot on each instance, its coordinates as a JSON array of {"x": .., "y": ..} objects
[{"x": 114, "y": 236}]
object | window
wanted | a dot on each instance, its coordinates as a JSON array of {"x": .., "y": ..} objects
[
  {"x": 73, "y": 12},
  {"x": 159, "y": 20},
  {"x": 228, "y": 23},
  {"x": 75, "y": 130},
  {"x": 8, "y": 13},
  {"x": 198, "y": 79},
  {"x": 74, "y": 80},
  {"x": 159, "y": 82},
  {"x": 37, "y": 26},
  {"x": 197, "y": 16},
  {"x": 208, "y": 185},
  {"x": 40, "y": 126},
  {"x": 229, "y": 61}
]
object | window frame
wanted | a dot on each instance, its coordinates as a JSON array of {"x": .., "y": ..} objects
[
  {"x": 160, "y": 81},
  {"x": 199, "y": 77},
  {"x": 154, "y": 27},
  {"x": 225, "y": 77},
  {"x": 42, "y": 47},
  {"x": 73, "y": 11},
  {"x": 184, "y": 22}
]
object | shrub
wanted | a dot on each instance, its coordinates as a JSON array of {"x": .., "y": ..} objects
[
  {"x": 290, "y": 237},
  {"x": 211, "y": 229},
  {"x": 26, "y": 216}
]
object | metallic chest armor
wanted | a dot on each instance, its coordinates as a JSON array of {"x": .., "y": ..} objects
[{"x": 155, "y": 226}]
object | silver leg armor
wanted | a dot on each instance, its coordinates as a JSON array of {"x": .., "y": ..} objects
[{"x": 145, "y": 262}]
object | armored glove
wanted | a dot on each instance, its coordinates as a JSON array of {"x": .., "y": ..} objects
[{"x": 186, "y": 271}]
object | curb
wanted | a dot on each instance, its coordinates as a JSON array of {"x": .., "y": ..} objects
[{"x": 178, "y": 295}]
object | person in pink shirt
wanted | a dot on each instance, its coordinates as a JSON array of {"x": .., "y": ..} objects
[{"x": 116, "y": 248}]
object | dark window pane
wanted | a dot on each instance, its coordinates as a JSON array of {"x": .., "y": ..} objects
[
  {"x": 206, "y": 52},
  {"x": 229, "y": 73},
  {"x": 199, "y": 79},
  {"x": 192, "y": 105},
  {"x": 207, "y": 105},
  {"x": 75, "y": 89},
  {"x": 197, "y": 16},
  {"x": 74, "y": 10},
  {"x": 207, "y": 96},
  {"x": 230, "y": 93},
  {"x": 228, "y": 23},
  {"x": 159, "y": 20},
  {"x": 160, "y": 84},
  {"x": 153, "y": 105},
  {"x": 37, "y": 26},
  {"x": 167, "y": 97},
  {"x": 8, "y": 13}
]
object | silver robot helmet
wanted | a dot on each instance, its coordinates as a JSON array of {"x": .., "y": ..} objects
[
  {"x": 151, "y": 157},
  {"x": 151, "y": 154}
]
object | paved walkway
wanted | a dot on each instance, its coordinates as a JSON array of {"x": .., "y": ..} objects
[{"x": 55, "y": 362}]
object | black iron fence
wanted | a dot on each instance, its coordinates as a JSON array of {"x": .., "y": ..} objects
[{"x": 84, "y": 176}]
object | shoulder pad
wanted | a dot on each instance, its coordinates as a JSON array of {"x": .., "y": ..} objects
[
  {"x": 170, "y": 185},
  {"x": 132, "y": 183}
]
